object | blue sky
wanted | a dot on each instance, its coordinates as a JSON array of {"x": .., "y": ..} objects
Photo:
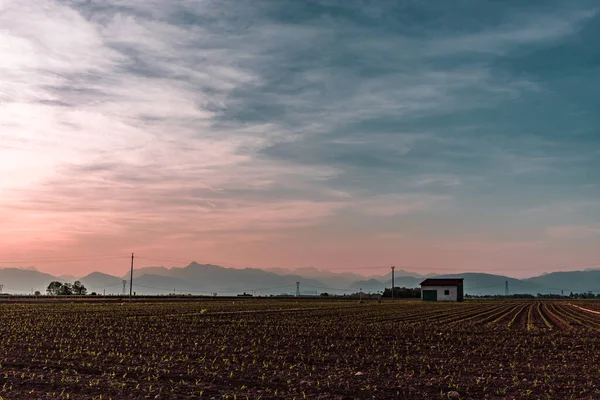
[{"x": 440, "y": 135}]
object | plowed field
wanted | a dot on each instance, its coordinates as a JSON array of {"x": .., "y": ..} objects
[{"x": 271, "y": 349}]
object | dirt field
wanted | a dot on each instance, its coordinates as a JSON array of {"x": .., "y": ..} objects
[{"x": 256, "y": 349}]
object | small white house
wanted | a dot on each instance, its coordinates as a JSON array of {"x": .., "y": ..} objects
[{"x": 442, "y": 290}]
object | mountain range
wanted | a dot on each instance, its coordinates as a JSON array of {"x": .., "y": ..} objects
[{"x": 207, "y": 278}]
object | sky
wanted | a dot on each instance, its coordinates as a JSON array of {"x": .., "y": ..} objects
[{"x": 344, "y": 135}]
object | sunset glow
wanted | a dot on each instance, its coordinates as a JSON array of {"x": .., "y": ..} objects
[{"x": 287, "y": 134}]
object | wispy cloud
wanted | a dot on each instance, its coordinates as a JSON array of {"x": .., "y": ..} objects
[
  {"x": 573, "y": 231},
  {"x": 392, "y": 205},
  {"x": 565, "y": 208},
  {"x": 160, "y": 124},
  {"x": 483, "y": 246},
  {"x": 443, "y": 180},
  {"x": 523, "y": 30}
]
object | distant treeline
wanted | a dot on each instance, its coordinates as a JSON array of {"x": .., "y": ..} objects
[
  {"x": 399, "y": 293},
  {"x": 586, "y": 295},
  {"x": 403, "y": 293}
]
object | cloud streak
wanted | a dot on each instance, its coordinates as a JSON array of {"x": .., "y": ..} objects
[
  {"x": 573, "y": 231},
  {"x": 180, "y": 127}
]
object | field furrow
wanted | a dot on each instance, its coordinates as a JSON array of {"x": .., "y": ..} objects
[
  {"x": 519, "y": 318},
  {"x": 270, "y": 349}
]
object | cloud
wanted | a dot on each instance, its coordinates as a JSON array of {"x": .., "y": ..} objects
[
  {"x": 132, "y": 97},
  {"x": 572, "y": 231},
  {"x": 521, "y": 31},
  {"x": 444, "y": 180},
  {"x": 565, "y": 208},
  {"x": 393, "y": 205},
  {"x": 168, "y": 123}
]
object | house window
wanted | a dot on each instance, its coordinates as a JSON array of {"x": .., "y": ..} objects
[{"x": 446, "y": 293}]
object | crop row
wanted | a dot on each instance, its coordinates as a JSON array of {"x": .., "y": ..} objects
[{"x": 284, "y": 350}]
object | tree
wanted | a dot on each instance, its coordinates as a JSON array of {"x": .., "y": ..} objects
[
  {"x": 54, "y": 288},
  {"x": 66, "y": 290},
  {"x": 37, "y": 293},
  {"x": 79, "y": 289},
  {"x": 403, "y": 293}
]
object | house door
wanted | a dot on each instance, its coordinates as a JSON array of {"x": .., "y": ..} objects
[{"x": 429, "y": 295}]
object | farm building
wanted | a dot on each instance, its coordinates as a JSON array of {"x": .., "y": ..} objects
[{"x": 442, "y": 290}]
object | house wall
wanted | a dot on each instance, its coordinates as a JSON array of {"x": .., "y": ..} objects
[{"x": 453, "y": 296}]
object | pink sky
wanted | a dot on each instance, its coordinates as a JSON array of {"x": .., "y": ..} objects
[
  {"x": 123, "y": 131},
  {"x": 83, "y": 252}
]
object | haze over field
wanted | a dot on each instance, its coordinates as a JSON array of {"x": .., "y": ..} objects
[
  {"x": 205, "y": 279},
  {"x": 438, "y": 136}
]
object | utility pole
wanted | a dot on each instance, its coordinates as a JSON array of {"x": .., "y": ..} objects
[
  {"x": 297, "y": 289},
  {"x": 393, "y": 268},
  {"x": 131, "y": 279},
  {"x": 1, "y": 287},
  {"x": 506, "y": 288},
  {"x": 360, "y": 294}
]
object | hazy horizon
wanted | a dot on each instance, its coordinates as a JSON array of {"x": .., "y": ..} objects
[
  {"x": 366, "y": 272},
  {"x": 450, "y": 138}
]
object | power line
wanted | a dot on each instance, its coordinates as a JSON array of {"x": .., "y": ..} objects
[
  {"x": 107, "y": 286},
  {"x": 226, "y": 290},
  {"x": 436, "y": 268},
  {"x": 190, "y": 261},
  {"x": 330, "y": 288},
  {"x": 41, "y": 261},
  {"x": 519, "y": 283},
  {"x": 485, "y": 287},
  {"x": 379, "y": 267},
  {"x": 529, "y": 286},
  {"x": 274, "y": 287},
  {"x": 16, "y": 289},
  {"x": 409, "y": 268},
  {"x": 165, "y": 259}
]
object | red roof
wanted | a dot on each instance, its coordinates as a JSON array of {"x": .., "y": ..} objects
[{"x": 442, "y": 282}]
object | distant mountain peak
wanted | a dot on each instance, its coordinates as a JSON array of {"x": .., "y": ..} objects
[
  {"x": 207, "y": 278},
  {"x": 30, "y": 268}
]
